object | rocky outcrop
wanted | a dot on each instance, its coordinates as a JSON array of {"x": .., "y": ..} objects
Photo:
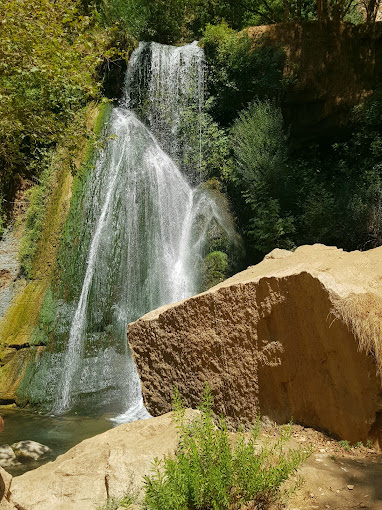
[
  {"x": 298, "y": 335},
  {"x": 98, "y": 468},
  {"x": 7, "y": 456}
]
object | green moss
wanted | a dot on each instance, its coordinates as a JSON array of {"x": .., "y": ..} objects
[
  {"x": 38, "y": 197},
  {"x": 102, "y": 117},
  {"x": 31, "y": 316},
  {"x": 21, "y": 317},
  {"x": 13, "y": 372},
  {"x": 74, "y": 246},
  {"x": 47, "y": 319}
]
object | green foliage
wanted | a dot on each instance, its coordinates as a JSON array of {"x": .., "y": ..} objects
[
  {"x": 269, "y": 227},
  {"x": 260, "y": 155},
  {"x": 335, "y": 191},
  {"x": 345, "y": 445},
  {"x": 38, "y": 197},
  {"x": 205, "y": 145},
  {"x": 240, "y": 70},
  {"x": 49, "y": 52},
  {"x": 215, "y": 268},
  {"x": 204, "y": 12},
  {"x": 260, "y": 145},
  {"x": 208, "y": 472},
  {"x": 158, "y": 20}
]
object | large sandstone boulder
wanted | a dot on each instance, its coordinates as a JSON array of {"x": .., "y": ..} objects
[
  {"x": 296, "y": 336},
  {"x": 98, "y": 468}
]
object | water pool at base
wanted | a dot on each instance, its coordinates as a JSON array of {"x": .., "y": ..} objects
[{"x": 60, "y": 433}]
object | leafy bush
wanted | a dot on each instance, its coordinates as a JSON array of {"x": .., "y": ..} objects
[
  {"x": 335, "y": 189},
  {"x": 50, "y": 52},
  {"x": 205, "y": 145},
  {"x": 208, "y": 472},
  {"x": 240, "y": 70},
  {"x": 260, "y": 154},
  {"x": 260, "y": 145},
  {"x": 157, "y": 20}
]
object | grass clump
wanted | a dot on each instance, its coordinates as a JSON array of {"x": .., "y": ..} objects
[
  {"x": 362, "y": 314},
  {"x": 209, "y": 471}
]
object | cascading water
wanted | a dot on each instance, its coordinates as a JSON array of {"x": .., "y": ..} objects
[
  {"x": 165, "y": 84},
  {"x": 148, "y": 227}
]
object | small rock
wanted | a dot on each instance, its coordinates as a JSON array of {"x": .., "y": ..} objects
[
  {"x": 350, "y": 487},
  {"x": 7, "y": 456},
  {"x": 29, "y": 450}
]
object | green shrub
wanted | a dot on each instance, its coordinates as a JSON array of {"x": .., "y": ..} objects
[
  {"x": 345, "y": 445},
  {"x": 335, "y": 188},
  {"x": 157, "y": 20},
  {"x": 49, "y": 57},
  {"x": 208, "y": 472},
  {"x": 205, "y": 145},
  {"x": 240, "y": 70},
  {"x": 259, "y": 147}
]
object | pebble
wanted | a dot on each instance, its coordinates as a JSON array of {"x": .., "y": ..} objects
[{"x": 350, "y": 487}]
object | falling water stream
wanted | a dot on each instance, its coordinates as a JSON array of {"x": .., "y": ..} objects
[{"x": 148, "y": 216}]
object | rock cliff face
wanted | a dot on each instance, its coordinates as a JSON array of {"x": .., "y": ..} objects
[{"x": 298, "y": 335}]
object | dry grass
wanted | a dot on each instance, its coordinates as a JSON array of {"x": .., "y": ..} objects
[{"x": 362, "y": 313}]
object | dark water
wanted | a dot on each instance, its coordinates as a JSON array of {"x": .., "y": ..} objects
[{"x": 60, "y": 433}]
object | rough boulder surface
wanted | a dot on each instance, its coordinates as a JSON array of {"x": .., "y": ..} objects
[
  {"x": 98, "y": 468},
  {"x": 296, "y": 336}
]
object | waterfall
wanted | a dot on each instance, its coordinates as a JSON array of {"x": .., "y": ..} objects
[
  {"x": 148, "y": 226},
  {"x": 165, "y": 85}
]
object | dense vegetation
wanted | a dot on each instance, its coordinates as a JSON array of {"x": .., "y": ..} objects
[
  {"x": 50, "y": 52},
  {"x": 53, "y": 54}
]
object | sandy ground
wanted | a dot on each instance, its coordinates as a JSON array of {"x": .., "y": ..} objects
[{"x": 334, "y": 477}]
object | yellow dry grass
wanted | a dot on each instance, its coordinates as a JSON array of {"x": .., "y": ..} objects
[{"x": 362, "y": 313}]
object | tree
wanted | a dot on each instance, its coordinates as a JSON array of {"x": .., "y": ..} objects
[{"x": 48, "y": 58}]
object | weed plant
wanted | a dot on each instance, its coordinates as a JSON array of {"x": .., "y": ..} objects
[{"x": 209, "y": 471}]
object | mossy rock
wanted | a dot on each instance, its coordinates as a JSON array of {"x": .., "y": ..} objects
[{"x": 215, "y": 268}]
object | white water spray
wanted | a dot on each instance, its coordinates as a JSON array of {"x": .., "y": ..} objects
[{"x": 149, "y": 229}]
